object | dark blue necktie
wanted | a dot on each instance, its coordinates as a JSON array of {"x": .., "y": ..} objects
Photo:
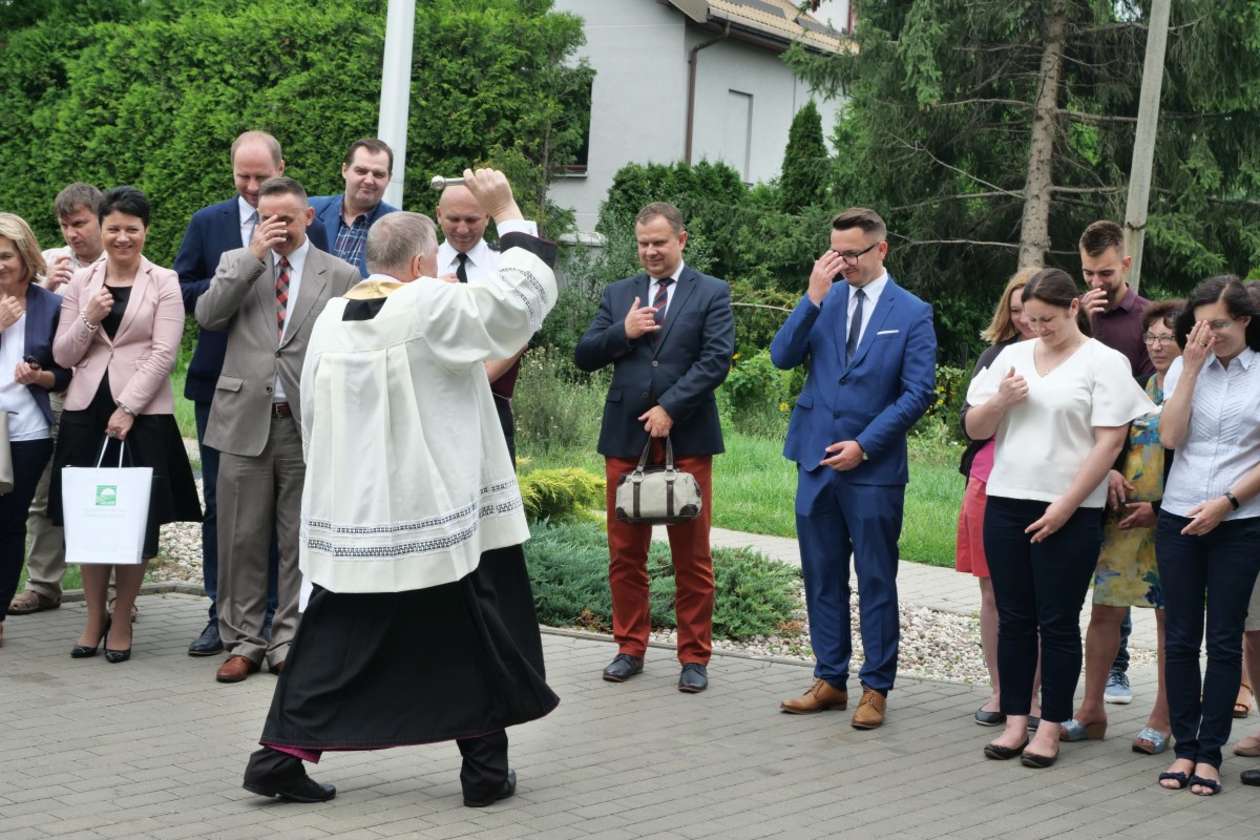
[{"x": 855, "y": 327}]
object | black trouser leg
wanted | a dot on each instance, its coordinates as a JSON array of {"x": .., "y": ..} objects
[
  {"x": 266, "y": 764},
  {"x": 29, "y": 458},
  {"x": 485, "y": 766}
]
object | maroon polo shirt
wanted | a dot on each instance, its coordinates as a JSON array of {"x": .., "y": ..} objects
[{"x": 1121, "y": 329}]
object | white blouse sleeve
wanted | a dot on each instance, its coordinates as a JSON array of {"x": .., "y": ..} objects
[
  {"x": 1115, "y": 398},
  {"x": 1171, "y": 378},
  {"x": 985, "y": 383}
]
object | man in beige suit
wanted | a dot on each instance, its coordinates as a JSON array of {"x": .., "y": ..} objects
[{"x": 266, "y": 297}]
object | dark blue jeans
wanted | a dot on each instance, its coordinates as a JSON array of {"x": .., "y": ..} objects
[
  {"x": 29, "y": 459},
  {"x": 1218, "y": 568},
  {"x": 1039, "y": 588},
  {"x": 210, "y": 522}
]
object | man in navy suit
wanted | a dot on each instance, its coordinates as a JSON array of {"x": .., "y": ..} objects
[
  {"x": 871, "y": 352},
  {"x": 669, "y": 334},
  {"x": 221, "y": 227},
  {"x": 345, "y": 218}
]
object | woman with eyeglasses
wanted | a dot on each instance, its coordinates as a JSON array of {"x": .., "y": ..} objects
[
  {"x": 1209, "y": 522},
  {"x": 1127, "y": 575}
]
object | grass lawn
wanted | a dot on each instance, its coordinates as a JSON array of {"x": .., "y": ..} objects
[{"x": 755, "y": 487}]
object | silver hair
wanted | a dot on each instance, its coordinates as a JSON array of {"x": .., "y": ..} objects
[{"x": 397, "y": 237}]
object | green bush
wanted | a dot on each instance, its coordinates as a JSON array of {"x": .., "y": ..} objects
[
  {"x": 568, "y": 565},
  {"x": 560, "y": 494},
  {"x": 557, "y": 406}
]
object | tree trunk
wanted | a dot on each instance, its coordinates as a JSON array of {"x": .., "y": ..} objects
[{"x": 1034, "y": 234}]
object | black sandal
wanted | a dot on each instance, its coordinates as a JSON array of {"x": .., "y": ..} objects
[
  {"x": 1180, "y": 778},
  {"x": 1211, "y": 784}
]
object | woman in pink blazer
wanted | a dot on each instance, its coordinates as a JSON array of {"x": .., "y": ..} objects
[{"x": 121, "y": 323}]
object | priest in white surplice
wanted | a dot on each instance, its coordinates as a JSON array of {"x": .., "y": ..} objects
[{"x": 416, "y": 630}]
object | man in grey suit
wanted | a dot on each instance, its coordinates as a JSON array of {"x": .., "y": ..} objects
[{"x": 266, "y": 297}]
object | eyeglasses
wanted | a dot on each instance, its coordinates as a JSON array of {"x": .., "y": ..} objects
[
  {"x": 1157, "y": 340},
  {"x": 853, "y": 256}
]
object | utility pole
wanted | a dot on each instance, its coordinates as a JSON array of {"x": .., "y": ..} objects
[
  {"x": 400, "y": 26},
  {"x": 1144, "y": 140}
]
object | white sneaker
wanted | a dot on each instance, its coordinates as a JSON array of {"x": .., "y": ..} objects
[{"x": 1118, "y": 690}]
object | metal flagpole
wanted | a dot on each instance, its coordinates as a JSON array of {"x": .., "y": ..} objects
[{"x": 400, "y": 25}]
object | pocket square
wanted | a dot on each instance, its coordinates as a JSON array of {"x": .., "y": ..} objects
[{"x": 887, "y": 332}]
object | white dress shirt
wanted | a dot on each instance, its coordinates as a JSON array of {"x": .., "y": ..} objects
[
  {"x": 482, "y": 259},
  {"x": 249, "y": 219},
  {"x": 872, "y": 291},
  {"x": 654, "y": 285},
  {"x": 297, "y": 260},
  {"x": 1223, "y": 439}
]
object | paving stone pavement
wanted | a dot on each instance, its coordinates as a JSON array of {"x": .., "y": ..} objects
[{"x": 154, "y": 748}]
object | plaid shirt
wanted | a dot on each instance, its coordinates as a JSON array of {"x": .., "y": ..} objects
[{"x": 351, "y": 238}]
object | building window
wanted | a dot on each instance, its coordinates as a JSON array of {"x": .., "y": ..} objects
[
  {"x": 737, "y": 133},
  {"x": 577, "y": 102}
]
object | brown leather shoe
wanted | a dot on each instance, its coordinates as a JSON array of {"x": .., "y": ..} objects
[
  {"x": 29, "y": 601},
  {"x": 870, "y": 711},
  {"x": 819, "y": 697},
  {"x": 236, "y": 669}
]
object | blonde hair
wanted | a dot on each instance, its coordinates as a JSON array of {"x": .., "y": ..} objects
[
  {"x": 16, "y": 230},
  {"x": 1002, "y": 328}
]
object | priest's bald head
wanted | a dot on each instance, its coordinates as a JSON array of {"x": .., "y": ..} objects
[{"x": 403, "y": 246}]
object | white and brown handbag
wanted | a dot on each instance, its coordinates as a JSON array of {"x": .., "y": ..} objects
[{"x": 657, "y": 495}]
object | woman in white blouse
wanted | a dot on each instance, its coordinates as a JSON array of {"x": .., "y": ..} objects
[
  {"x": 1059, "y": 407},
  {"x": 1209, "y": 522}
]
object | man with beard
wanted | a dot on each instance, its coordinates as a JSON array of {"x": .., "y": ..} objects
[
  {"x": 347, "y": 217},
  {"x": 418, "y": 629}
]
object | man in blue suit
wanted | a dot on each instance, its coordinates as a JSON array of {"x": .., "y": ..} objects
[
  {"x": 871, "y": 352},
  {"x": 345, "y": 218},
  {"x": 668, "y": 333},
  {"x": 221, "y": 227}
]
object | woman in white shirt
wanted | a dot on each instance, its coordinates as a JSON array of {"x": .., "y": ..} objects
[
  {"x": 1209, "y": 522},
  {"x": 1059, "y": 407},
  {"x": 28, "y": 321}
]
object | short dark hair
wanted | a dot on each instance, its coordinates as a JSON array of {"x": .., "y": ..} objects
[
  {"x": 1239, "y": 302},
  {"x": 1100, "y": 236},
  {"x": 1165, "y": 312},
  {"x": 76, "y": 195},
  {"x": 666, "y": 211},
  {"x": 860, "y": 217},
  {"x": 373, "y": 145},
  {"x": 124, "y": 199},
  {"x": 282, "y": 185},
  {"x": 1056, "y": 287}
]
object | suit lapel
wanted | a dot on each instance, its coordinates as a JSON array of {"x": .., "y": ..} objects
[
  {"x": 682, "y": 294},
  {"x": 883, "y": 307},
  {"x": 840, "y": 319},
  {"x": 311, "y": 288},
  {"x": 231, "y": 220},
  {"x": 90, "y": 290},
  {"x": 136, "y": 299},
  {"x": 265, "y": 289}
]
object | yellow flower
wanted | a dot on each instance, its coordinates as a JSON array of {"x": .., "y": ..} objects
[{"x": 783, "y": 407}]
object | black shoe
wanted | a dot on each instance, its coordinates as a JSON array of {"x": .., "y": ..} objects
[
  {"x": 623, "y": 667},
  {"x": 115, "y": 656},
  {"x": 997, "y": 752},
  {"x": 505, "y": 790},
  {"x": 1037, "y": 761},
  {"x": 208, "y": 643},
  {"x": 693, "y": 679},
  {"x": 1250, "y": 777},
  {"x": 989, "y": 718},
  {"x": 295, "y": 789},
  {"x": 83, "y": 651}
]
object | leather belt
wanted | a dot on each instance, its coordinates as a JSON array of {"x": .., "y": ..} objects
[{"x": 280, "y": 409}]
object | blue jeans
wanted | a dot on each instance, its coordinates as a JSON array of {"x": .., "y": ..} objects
[
  {"x": 1219, "y": 568},
  {"x": 210, "y": 522}
]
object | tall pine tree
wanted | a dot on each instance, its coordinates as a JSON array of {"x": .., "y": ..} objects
[{"x": 806, "y": 163}]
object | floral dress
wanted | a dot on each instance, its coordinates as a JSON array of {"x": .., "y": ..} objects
[{"x": 1127, "y": 575}]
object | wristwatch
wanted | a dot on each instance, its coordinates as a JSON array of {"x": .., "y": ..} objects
[{"x": 1233, "y": 500}]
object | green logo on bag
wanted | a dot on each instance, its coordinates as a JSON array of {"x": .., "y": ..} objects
[{"x": 106, "y": 495}]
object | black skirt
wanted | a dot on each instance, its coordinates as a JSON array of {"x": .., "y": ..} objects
[
  {"x": 368, "y": 671},
  {"x": 153, "y": 441}
]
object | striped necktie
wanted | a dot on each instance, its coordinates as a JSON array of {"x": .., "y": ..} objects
[{"x": 282, "y": 294}]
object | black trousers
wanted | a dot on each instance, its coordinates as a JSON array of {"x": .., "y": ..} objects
[
  {"x": 1039, "y": 588},
  {"x": 29, "y": 459},
  {"x": 1218, "y": 568},
  {"x": 484, "y": 771}
]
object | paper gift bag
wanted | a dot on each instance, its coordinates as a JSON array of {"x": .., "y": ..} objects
[{"x": 106, "y": 510}]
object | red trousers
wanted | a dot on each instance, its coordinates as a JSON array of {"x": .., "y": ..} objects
[{"x": 693, "y": 565}]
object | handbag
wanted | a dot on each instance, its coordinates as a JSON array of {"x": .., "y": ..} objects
[
  {"x": 6, "y": 456},
  {"x": 657, "y": 495},
  {"x": 106, "y": 511}
]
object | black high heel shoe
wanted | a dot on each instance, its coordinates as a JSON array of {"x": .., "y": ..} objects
[
  {"x": 83, "y": 651},
  {"x": 115, "y": 656}
]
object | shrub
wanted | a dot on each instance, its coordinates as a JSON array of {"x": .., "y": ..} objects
[
  {"x": 806, "y": 163},
  {"x": 560, "y": 494},
  {"x": 568, "y": 566},
  {"x": 557, "y": 406}
]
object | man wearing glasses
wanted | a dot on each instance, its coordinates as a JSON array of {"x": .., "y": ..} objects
[{"x": 871, "y": 355}]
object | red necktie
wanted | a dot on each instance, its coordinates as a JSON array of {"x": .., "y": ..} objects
[
  {"x": 282, "y": 295},
  {"x": 662, "y": 298}
]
